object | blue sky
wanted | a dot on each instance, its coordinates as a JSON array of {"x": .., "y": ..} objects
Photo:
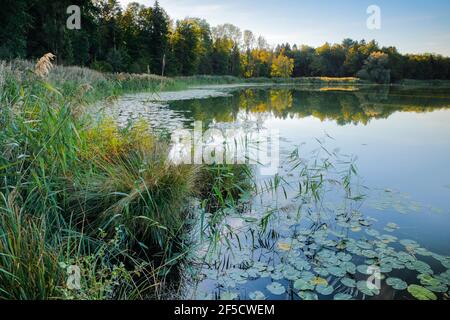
[{"x": 414, "y": 26}]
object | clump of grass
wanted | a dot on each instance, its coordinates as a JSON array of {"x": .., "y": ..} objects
[
  {"x": 75, "y": 176},
  {"x": 131, "y": 182},
  {"x": 29, "y": 268},
  {"x": 223, "y": 185},
  {"x": 79, "y": 191}
]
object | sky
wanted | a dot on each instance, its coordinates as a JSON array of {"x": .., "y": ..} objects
[{"x": 413, "y": 26}]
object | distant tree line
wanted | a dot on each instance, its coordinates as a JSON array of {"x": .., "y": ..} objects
[{"x": 140, "y": 39}]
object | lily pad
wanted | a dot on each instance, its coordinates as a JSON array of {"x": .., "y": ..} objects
[
  {"x": 421, "y": 293},
  {"x": 303, "y": 285},
  {"x": 321, "y": 271},
  {"x": 350, "y": 267},
  {"x": 442, "y": 288},
  {"x": 302, "y": 265},
  {"x": 257, "y": 295},
  {"x": 396, "y": 283},
  {"x": 427, "y": 280},
  {"x": 409, "y": 243},
  {"x": 336, "y": 271},
  {"x": 276, "y": 288},
  {"x": 325, "y": 290},
  {"x": 342, "y": 296},
  {"x": 277, "y": 276},
  {"x": 317, "y": 281},
  {"x": 372, "y": 232},
  {"x": 308, "y": 295},
  {"x": 291, "y": 274},
  {"x": 228, "y": 296},
  {"x": 348, "y": 282},
  {"x": 367, "y": 288},
  {"x": 364, "y": 269},
  {"x": 284, "y": 246}
]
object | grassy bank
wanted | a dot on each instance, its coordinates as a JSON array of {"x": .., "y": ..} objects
[{"x": 74, "y": 192}]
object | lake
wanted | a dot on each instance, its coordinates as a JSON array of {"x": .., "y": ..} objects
[{"x": 359, "y": 207}]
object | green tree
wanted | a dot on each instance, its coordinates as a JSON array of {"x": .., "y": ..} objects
[
  {"x": 376, "y": 68},
  {"x": 14, "y": 25},
  {"x": 282, "y": 66},
  {"x": 187, "y": 46}
]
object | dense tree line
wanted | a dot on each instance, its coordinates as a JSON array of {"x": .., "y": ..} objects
[{"x": 140, "y": 39}]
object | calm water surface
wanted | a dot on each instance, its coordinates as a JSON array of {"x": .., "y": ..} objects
[{"x": 396, "y": 217}]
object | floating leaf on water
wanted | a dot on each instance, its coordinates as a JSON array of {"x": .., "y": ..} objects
[
  {"x": 284, "y": 246},
  {"x": 369, "y": 253},
  {"x": 427, "y": 280},
  {"x": 350, "y": 267},
  {"x": 364, "y": 269},
  {"x": 257, "y": 295},
  {"x": 421, "y": 293},
  {"x": 348, "y": 282},
  {"x": 443, "y": 278},
  {"x": 342, "y": 296},
  {"x": 253, "y": 273},
  {"x": 308, "y": 295},
  {"x": 276, "y": 288},
  {"x": 387, "y": 238},
  {"x": 364, "y": 223},
  {"x": 277, "y": 275},
  {"x": 372, "y": 232},
  {"x": 303, "y": 285},
  {"x": 302, "y": 265},
  {"x": 228, "y": 296},
  {"x": 442, "y": 288},
  {"x": 324, "y": 290},
  {"x": 307, "y": 276},
  {"x": 392, "y": 225},
  {"x": 396, "y": 283},
  {"x": 367, "y": 288},
  {"x": 409, "y": 243},
  {"x": 321, "y": 271},
  {"x": 446, "y": 262},
  {"x": 317, "y": 281},
  {"x": 344, "y": 256},
  {"x": 265, "y": 274},
  {"x": 422, "y": 267},
  {"x": 336, "y": 271},
  {"x": 364, "y": 244},
  {"x": 386, "y": 268},
  {"x": 423, "y": 252},
  {"x": 356, "y": 229},
  {"x": 291, "y": 274}
]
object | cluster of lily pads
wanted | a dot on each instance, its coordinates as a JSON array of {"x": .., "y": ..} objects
[
  {"x": 399, "y": 202},
  {"x": 312, "y": 269},
  {"x": 324, "y": 251}
]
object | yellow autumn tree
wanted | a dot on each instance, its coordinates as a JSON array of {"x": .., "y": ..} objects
[{"x": 282, "y": 66}]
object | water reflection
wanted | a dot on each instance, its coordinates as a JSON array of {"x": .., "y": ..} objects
[
  {"x": 357, "y": 106},
  {"x": 323, "y": 242},
  {"x": 318, "y": 242}
]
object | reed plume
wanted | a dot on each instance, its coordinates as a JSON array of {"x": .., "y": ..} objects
[{"x": 44, "y": 65}]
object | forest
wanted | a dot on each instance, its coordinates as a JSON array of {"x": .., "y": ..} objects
[{"x": 140, "y": 39}]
